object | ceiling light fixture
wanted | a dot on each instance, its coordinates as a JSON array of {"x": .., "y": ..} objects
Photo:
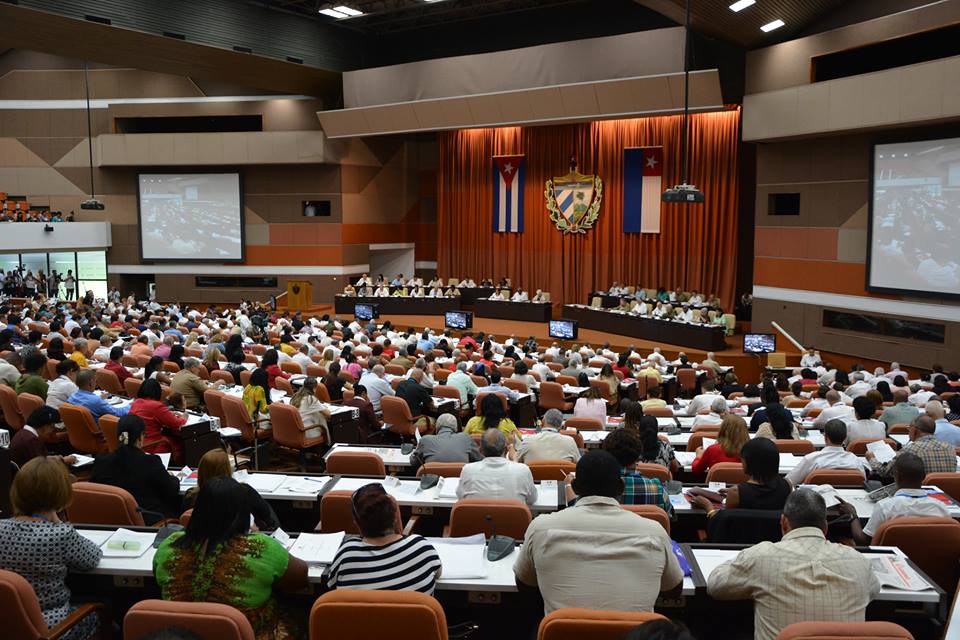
[
  {"x": 333, "y": 13},
  {"x": 350, "y": 11},
  {"x": 770, "y": 26},
  {"x": 740, "y": 5}
]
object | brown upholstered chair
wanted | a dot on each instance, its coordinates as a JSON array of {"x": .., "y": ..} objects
[
  {"x": 108, "y": 426},
  {"x": 583, "y": 424},
  {"x": 336, "y": 513},
  {"x": 651, "y": 512},
  {"x": 132, "y": 386},
  {"x": 109, "y": 382},
  {"x": 27, "y": 403},
  {"x": 796, "y": 447},
  {"x": 933, "y": 544},
  {"x": 658, "y": 471},
  {"x": 224, "y": 377},
  {"x": 551, "y": 469},
  {"x": 551, "y": 397},
  {"x": 836, "y": 477},
  {"x": 659, "y": 412},
  {"x": 844, "y": 631},
  {"x": 206, "y": 619},
  {"x": 687, "y": 379},
  {"x": 185, "y": 517},
  {"x": 949, "y": 482},
  {"x": 579, "y": 624},
  {"x": 859, "y": 447},
  {"x": 349, "y": 613},
  {"x": 11, "y": 410},
  {"x": 442, "y": 469},
  {"x": 396, "y": 413},
  {"x": 105, "y": 504},
  {"x": 289, "y": 432},
  {"x": 729, "y": 472},
  {"x": 361, "y": 463},
  {"x": 470, "y": 516},
  {"x": 291, "y": 367},
  {"x": 23, "y": 618},
  {"x": 238, "y": 417},
  {"x": 82, "y": 431}
]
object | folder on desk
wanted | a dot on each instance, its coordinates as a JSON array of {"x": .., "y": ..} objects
[{"x": 462, "y": 558}]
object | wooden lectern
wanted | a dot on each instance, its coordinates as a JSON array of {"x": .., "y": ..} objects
[{"x": 299, "y": 294}]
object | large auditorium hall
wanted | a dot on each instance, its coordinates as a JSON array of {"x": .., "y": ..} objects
[{"x": 480, "y": 319}]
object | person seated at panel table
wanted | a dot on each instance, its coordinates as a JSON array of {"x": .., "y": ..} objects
[
  {"x": 662, "y": 310},
  {"x": 435, "y": 292},
  {"x": 624, "y": 306},
  {"x": 398, "y": 281},
  {"x": 837, "y": 582},
  {"x": 435, "y": 282},
  {"x": 616, "y": 289},
  {"x": 640, "y": 308},
  {"x": 140, "y": 473},
  {"x": 496, "y": 295},
  {"x": 382, "y": 291},
  {"x": 909, "y": 500},
  {"x": 418, "y": 292},
  {"x": 218, "y": 559},
  {"x": 349, "y": 290},
  {"x": 452, "y": 292},
  {"x": 41, "y": 548},
  {"x": 765, "y": 488},
  {"x": 520, "y": 295},
  {"x": 486, "y": 282},
  {"x": 401, "y": 292},
  {"x": 364, "y": 281},
  {"x": 415, "y": 281},
  {"x": 539, "y": 296},
  {"x": 383, "y": 558},
  {"x": 730, "y": 440},
  {"x": 468, "y": 284}
]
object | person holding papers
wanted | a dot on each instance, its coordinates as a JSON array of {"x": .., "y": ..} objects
[
  {"x": 832, "y": 456},
  {"x": 937, "y": 456},
  {"x": 142, "y": 474},
  {"x": 837, "y": 582},
  {"x": 595, "y": 554},
  {"x": 383, "y": 558},
  {"x": 909, "y": 500},
  {"x": 495, "y": 476},
  {"x": 38, "y": 546},
  {"x": 218, "y": 559}
]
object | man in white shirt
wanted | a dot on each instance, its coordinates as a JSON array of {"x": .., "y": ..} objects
[
  {"x": 859, "y": 386},
  {"x": 302, "y": 357},
  {"x": 718, "y": 409},
  {"x": 376, "y": 385},
  {"x": 837, "y": 409},
  {"x": 895, "y": 371},
  {"x": 705, "y": 399},
  {"x": 832, "y": 456},
  {"x": 9, "y": 373},
  {"x": 462, "y": 382},
  {"x": 520, "y": 296},
  {"x": 593, "y": 554},
  {"x": 495, "y": 476},
  {"x": 468, "y": 284},
  {"x": 364, "y": 281},
  {"x": 657, "y": 358},
  {"x": 865, "y": 426},
  {"x": 816, "y": 402},
  {"x": 553, "y": 351},
  {"x": 65, "y": 385},
  {"x": 837, "y": 582},
  {"x": 909, "y": 500},
  {"x": 808, "y": 359},
  {"x": 920, "y": 397},
  {"x": 548, "y": 443}
]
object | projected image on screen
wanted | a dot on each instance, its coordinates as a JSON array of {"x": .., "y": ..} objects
[
  {"x": 916, "y": 217},
  {"x": 190, "y": 217}
]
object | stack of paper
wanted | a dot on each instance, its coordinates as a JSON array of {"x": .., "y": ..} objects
[
  {"x": 317, "y": 548},
  {"x": 707, "y": 442},
  {"x": 882, "y": 451},
  {"x": 262, "y": 482},
  {"x": 304, "y": 484},
  {"x": 462, "y": 558},
  {"x": 82, "y": 460},
  {"x": 447, "y": 488},
  {"x": 125, "y": 543},
  {"x": 685, "y": 457},
  {"x": 893, "y": 571}
]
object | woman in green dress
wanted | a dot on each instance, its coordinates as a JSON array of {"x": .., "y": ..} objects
[{"x": 218, "y": 559}]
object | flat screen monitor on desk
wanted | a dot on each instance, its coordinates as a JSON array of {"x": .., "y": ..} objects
[
  {"x": 366, "y": 311},
  {"x": 759, "y": 343},
  {"x": 458, "y": 320},
  {"x": 563, "y": 329}
]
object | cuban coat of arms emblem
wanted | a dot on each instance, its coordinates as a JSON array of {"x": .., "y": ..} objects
[{"x": 573, "y": 200}]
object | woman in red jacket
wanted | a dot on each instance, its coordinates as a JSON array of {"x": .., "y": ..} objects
[
  {"x": 269, "y": 364},
  {"x": 157, "y": 416},
  {"x": 733, "y": 435}
]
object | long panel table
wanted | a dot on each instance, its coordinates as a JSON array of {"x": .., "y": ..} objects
[
  {"x": 520, "y": 311},
  {"x": 696, "y": 336},
  {"x": 344, "y": 305}
]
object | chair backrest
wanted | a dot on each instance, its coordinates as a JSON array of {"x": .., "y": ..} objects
[
  {"x": 108, "y": 426},
  {"x": 445, "y": 391},
  {"x": 103, "y": 504},
  {"x": 516, "y": 385},
  {"x": 349, "y": 613},
  {"x": 651, "y": 512},
  {"x": 949, "y": 482},
  {"x": 132, "y": 386},
  {"x": 796, "y": 447},
  {"x": 82, "y": 431},
  {"x": 287, "y": 425},
  {"x": 442, "y": 469},
  {"x": 551, "y": 396},
  {"x": 836, "y": 477},
  {"x": 237, "y": 416},
  {"x": 841, "y": 630},
  {"x": 171, "y": 367},
  {"x": 396, "y": 413},
  {"x": 659, "y": 412},
  {"x": 11, "y": 410},
  {"x": 284, "y": 385},
  {"x": 649, "y": 470},
  {"x": 479, "y": 399},
  {"x": 778, "y": 360},
  {"x": 109, "y": 382},
  {"x": 394, "y": 369},
  {"x": 23, "y": 618},
  {"x": 292, "y": 367},
  {"x": 469, "y": 516},
  {"x": 796, "y": 403},
  {"x": 932, "y": 543},
  {"x": 744, "y": 526},
  {"x": 859, "y": 447},
  {"x": 246, "y": 374},
  {"x": 729, "y": 472},
  {"x": 28, "y": 403},
  {"x": 583, "y": 424},
  {"x": 581, "y": 624},
  {"x": 362, "y": 463},
  {"x": 551, "y": 469},
  {"x": 687, "y": 378},
  {"x": 568, "y": 380},
  {"x": 899, "y": 428},
  {"x": 222, "y": 376},
  {"x": 214, "y": 401},
  {"x": 185, "y": 517},
  {"x": 206, "y": 619},
  {"x": 336, "y": 513}
]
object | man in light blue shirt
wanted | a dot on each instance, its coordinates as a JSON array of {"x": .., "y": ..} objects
[
  {"x": 462, "y": 382},
  {"x": 425, "y": 343},
  {"x": 376, "y": 386},
  {"x": 949, "y": 433},
  {"x": 86, "y": 398},
  {"x": 496, "y": 387}
]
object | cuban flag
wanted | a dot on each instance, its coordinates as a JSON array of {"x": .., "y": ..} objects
[
  {"x": 508, "y": 193},
  {"x": 642, "y": 188}
]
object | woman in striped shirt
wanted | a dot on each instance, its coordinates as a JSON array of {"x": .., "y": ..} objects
[{"x": 383, "y": 558}]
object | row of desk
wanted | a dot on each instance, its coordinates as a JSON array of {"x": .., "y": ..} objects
[
  {"x": 483, "y": 307},
  {"x": 696, "y": 336}
]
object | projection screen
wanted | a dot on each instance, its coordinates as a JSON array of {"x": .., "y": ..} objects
[{"x": 190, "y": 217}]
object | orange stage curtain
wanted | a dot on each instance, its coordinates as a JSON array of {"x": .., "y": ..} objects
[{"x": 696, "y": 248}]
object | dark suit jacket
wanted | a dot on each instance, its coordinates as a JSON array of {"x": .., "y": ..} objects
[
  {"x": 144, "y": 476},
  {"x": 415, "y": 394}
]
